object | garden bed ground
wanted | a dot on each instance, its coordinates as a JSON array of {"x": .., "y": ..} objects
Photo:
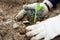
[{"x": 8, "y": 11}]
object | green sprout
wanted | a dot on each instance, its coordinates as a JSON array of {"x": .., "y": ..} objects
[{"x": 37, "y": 9}]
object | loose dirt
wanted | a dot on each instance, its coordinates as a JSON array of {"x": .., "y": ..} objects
[{"x": 11, "y": 29}]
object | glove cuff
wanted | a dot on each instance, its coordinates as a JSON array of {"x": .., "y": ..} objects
[
  {"x": 46, "y": 9},
  {"x": 48, "y": 3},
  {"x": 47, "y": 6}
]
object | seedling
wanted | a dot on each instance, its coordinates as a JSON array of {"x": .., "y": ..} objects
[{"x": 37, "y": 9}]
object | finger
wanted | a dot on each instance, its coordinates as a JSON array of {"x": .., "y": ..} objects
[
  {"x": 21, "y": 13},
  {"x": 49, "y": 37},
  {"x": 34, "y": 32},
  {"x": 36, "y": 26},
  {"x": 39, "y": 36},
  {"x": 33, "y": 27},
  {"x": 38, "y": 22},
  {"x": 46, "y": 38},
  {"x": 30, "y": 6}
]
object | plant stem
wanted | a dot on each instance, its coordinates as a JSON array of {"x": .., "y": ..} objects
[{"x": 35, "y": 17}]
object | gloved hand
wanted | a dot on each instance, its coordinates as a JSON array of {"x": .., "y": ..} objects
[
  {"x": 48, "y": 29},
  {"x": 32, "y": 7}
]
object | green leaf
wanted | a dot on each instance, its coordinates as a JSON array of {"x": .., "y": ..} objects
[{"x": 37, "y": 9}]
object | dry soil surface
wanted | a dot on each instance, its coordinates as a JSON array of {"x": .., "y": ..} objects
[{"x": 11, "y": 29}]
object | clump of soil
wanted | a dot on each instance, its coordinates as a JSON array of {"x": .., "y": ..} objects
[
  {"x": 8, "y": 31},
  {"x": 11, "y": 29}
]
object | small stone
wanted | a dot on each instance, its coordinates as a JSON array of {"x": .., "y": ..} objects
[
  {"x": 15, "y": 25},
  {"x": 1, "y": 18},
  {"x": 1, "y": 10}
]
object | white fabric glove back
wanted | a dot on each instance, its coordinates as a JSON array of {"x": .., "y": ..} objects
[
  {"x": 31, "y": 7},
  {"x": 48, "y": 29}
]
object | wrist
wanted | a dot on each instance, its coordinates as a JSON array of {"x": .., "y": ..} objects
[
  {"x": 45, "y": 10},
  {"x": 48, "y": 3}
]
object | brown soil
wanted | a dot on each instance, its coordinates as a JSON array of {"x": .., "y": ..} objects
[{"x": 7, "y": 13}]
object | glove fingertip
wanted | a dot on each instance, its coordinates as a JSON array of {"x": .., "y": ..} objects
[
  {"x": 34, "y": 38},
  {"x": 28, "y": 28},
  {"x": 25, "y": 7},
  {"x": 38, "y": 22},
  {"x": 28, "y": 34}
]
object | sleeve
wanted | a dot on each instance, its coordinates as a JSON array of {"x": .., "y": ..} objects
[{"x": 54, "y": 2}]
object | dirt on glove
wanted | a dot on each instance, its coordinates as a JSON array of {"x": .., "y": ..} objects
[{"x": 11, "y": 29}]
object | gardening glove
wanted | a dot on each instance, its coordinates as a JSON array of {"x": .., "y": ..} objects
[
  {"x": 47, "y": 29},
  {"x": 20, "y": 14},
  {"x": 29, "y": 7}
]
